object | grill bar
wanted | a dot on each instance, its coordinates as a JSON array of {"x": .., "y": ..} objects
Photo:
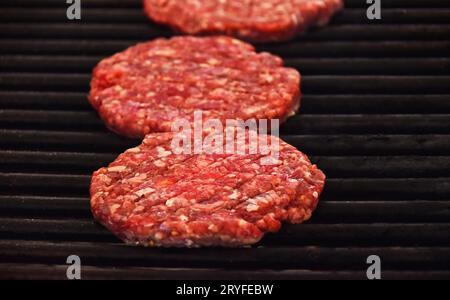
[
  {"x": 137, "y": 3},
  {"x": 381, "y": 211},
  {"x": 313, "y": 84},
  {"x": 277, "y": 258},
  {"x": 34, "y": 271},
  {"x": 311, "y": 104},
  {"x": 308, "y": 234},
  {"x": 132, "y": 31},
  {"x": 134, "y": 15},
  {"x": 321, "y": 145},
  {"x": 334, "y": 166},
  {"x": 341, "y": 124},
  {"x": 414, "y": 48},
  {"x": 310, "y": 66},
  {"x": 337, "y": 188}
]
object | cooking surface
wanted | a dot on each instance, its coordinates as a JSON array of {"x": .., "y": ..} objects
[{"x": 375, "y": 117}]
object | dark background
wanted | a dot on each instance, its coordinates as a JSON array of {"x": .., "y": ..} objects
[{"x": 375, "y": 117}]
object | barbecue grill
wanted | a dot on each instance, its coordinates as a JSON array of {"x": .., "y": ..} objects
[{"x": 375, "y": 117}]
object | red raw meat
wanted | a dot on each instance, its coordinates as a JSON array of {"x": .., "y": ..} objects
[
  {"x": 257, "y": 21},
  {"x": 149, "y": 86},
  {"x": 152, "y": 197}
]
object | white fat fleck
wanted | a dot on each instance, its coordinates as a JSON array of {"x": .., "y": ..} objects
[
  {"x": 106, "y": 179},
  {"x": 114, "y": 208},
  {"x": 234, "y": 195},
  {"x": 316, "y": 195},
  {"x": 255, "y": 166},
  {"x": 213, "y": 61},
  {"x": 159, "y": 163},
  {"x": 253, "y": 201},
  {"x": 143, "y": 192},
  {"x": 139, "y": 208},
  {"x": 252, "y": 207},
  {"x": 253, "y": 109},
  {"x": 170, "y": 202},
  {"x": 164, "y": 52},
  {"x": 159, "y": 236},
  {"x": 213, "y": 228},
  {"x": 270, "y": 161},
  {"x": 189, "y": 243},
  {"x": 183, "y": 218},
  {"x": 267, "y": 78},
  {"x": 117, "y": 169},
  {"x": 242, "y": 223},
  {"x": 138, "y": 178},
  {"x": 264, "y": 201},
  {"x": 162, "y": 152},
  {"x": 222, "y": 81},
  {"x": 134, "y": 150},
  {"x": 95, "y": 197}
]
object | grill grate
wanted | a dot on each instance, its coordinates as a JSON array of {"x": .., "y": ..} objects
[{"x": 375, "y": 117}]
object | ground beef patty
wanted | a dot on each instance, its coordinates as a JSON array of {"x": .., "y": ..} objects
[
  {"x": 147, "y": 87},
  {"x": 259, "y": 21},
  {"x": 150, "y": 196}
]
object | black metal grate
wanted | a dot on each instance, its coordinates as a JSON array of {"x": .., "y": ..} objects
[{"x": 375, "y": 117}]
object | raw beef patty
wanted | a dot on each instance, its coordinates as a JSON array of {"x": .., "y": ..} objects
[
  {"x": 258, "y": 21},
  {"x": 151, "y": 196},
  {"x": 149, "y": 86}
]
